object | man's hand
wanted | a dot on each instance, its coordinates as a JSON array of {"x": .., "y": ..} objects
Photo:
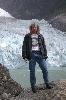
[
  {"x": 26, "y": 60},
  {"x": 46, "y": 58}
]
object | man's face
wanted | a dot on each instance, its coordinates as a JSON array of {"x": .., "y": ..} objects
[{"x": 34, "y": 29}]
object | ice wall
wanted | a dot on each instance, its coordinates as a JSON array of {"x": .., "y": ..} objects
[{"x": 12, "y": 33}]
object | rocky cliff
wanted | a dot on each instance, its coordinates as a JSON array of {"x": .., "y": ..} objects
[
  {"x": 59, "y": 22},
  {"x": 29, "y": 9}
]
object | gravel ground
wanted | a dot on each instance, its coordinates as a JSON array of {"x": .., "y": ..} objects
[{"x": 58, "y": 92}]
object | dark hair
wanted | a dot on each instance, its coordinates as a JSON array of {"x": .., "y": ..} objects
[{"x": 38, "y": 30}]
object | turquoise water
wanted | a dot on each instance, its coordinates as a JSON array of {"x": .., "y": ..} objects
[{"x": 22, "y": 75}]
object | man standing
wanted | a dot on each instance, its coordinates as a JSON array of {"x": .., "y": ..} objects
[{"x": 34, "y": 50}]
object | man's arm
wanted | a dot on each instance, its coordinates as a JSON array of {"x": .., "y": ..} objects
[
  {"x": 45, "y": 50},
  {"x": 24, "y": 48}
]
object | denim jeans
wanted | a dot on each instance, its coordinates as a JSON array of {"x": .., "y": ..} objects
[{"x": 36, "y": 57}]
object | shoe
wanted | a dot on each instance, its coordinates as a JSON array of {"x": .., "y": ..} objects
[
  {"x": 48, "y": 86},
  {"x": 33, "y": 89}
]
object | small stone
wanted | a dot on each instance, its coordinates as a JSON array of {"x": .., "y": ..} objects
[
  {"x": 58, "y": 95},
  {"x": 9, "y": 95},
  {"x": 5, "y": 96},
  {"x": 5, "y": 78},
  {"x": 13, "y": 98}
]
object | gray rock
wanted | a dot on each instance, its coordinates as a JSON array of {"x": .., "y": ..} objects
[
  {"x": 5, "y": 96},
  {"x": 59, "y": 22}
]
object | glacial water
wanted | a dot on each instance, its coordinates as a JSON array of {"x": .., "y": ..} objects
[{"x": 22, "y": 76}]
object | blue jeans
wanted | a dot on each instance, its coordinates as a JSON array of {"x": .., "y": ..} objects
[{"x": 36, "y": 57}]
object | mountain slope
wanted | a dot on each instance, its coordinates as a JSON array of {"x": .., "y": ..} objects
[
  {"x": 59, "y": 22},
  {"x": 28, "y": 9}
]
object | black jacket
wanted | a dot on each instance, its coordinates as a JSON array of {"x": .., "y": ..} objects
[{"x": 27, "y": 45}]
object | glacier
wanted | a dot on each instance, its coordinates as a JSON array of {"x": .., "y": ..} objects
[{"x": 12, "y": 32}]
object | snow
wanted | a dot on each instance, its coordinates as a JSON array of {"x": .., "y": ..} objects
[
  {"x": 12, "y": 33},
  {"x": 4, "y": 13}
]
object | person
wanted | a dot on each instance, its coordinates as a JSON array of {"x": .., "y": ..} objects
[{"x": 34, "y": 50}]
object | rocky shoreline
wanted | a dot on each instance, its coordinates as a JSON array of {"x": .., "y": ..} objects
[
  {"x": 11, "y": 90},
  {"x": 58, "y": 92},
  {"x": 8, "y": 87}
]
